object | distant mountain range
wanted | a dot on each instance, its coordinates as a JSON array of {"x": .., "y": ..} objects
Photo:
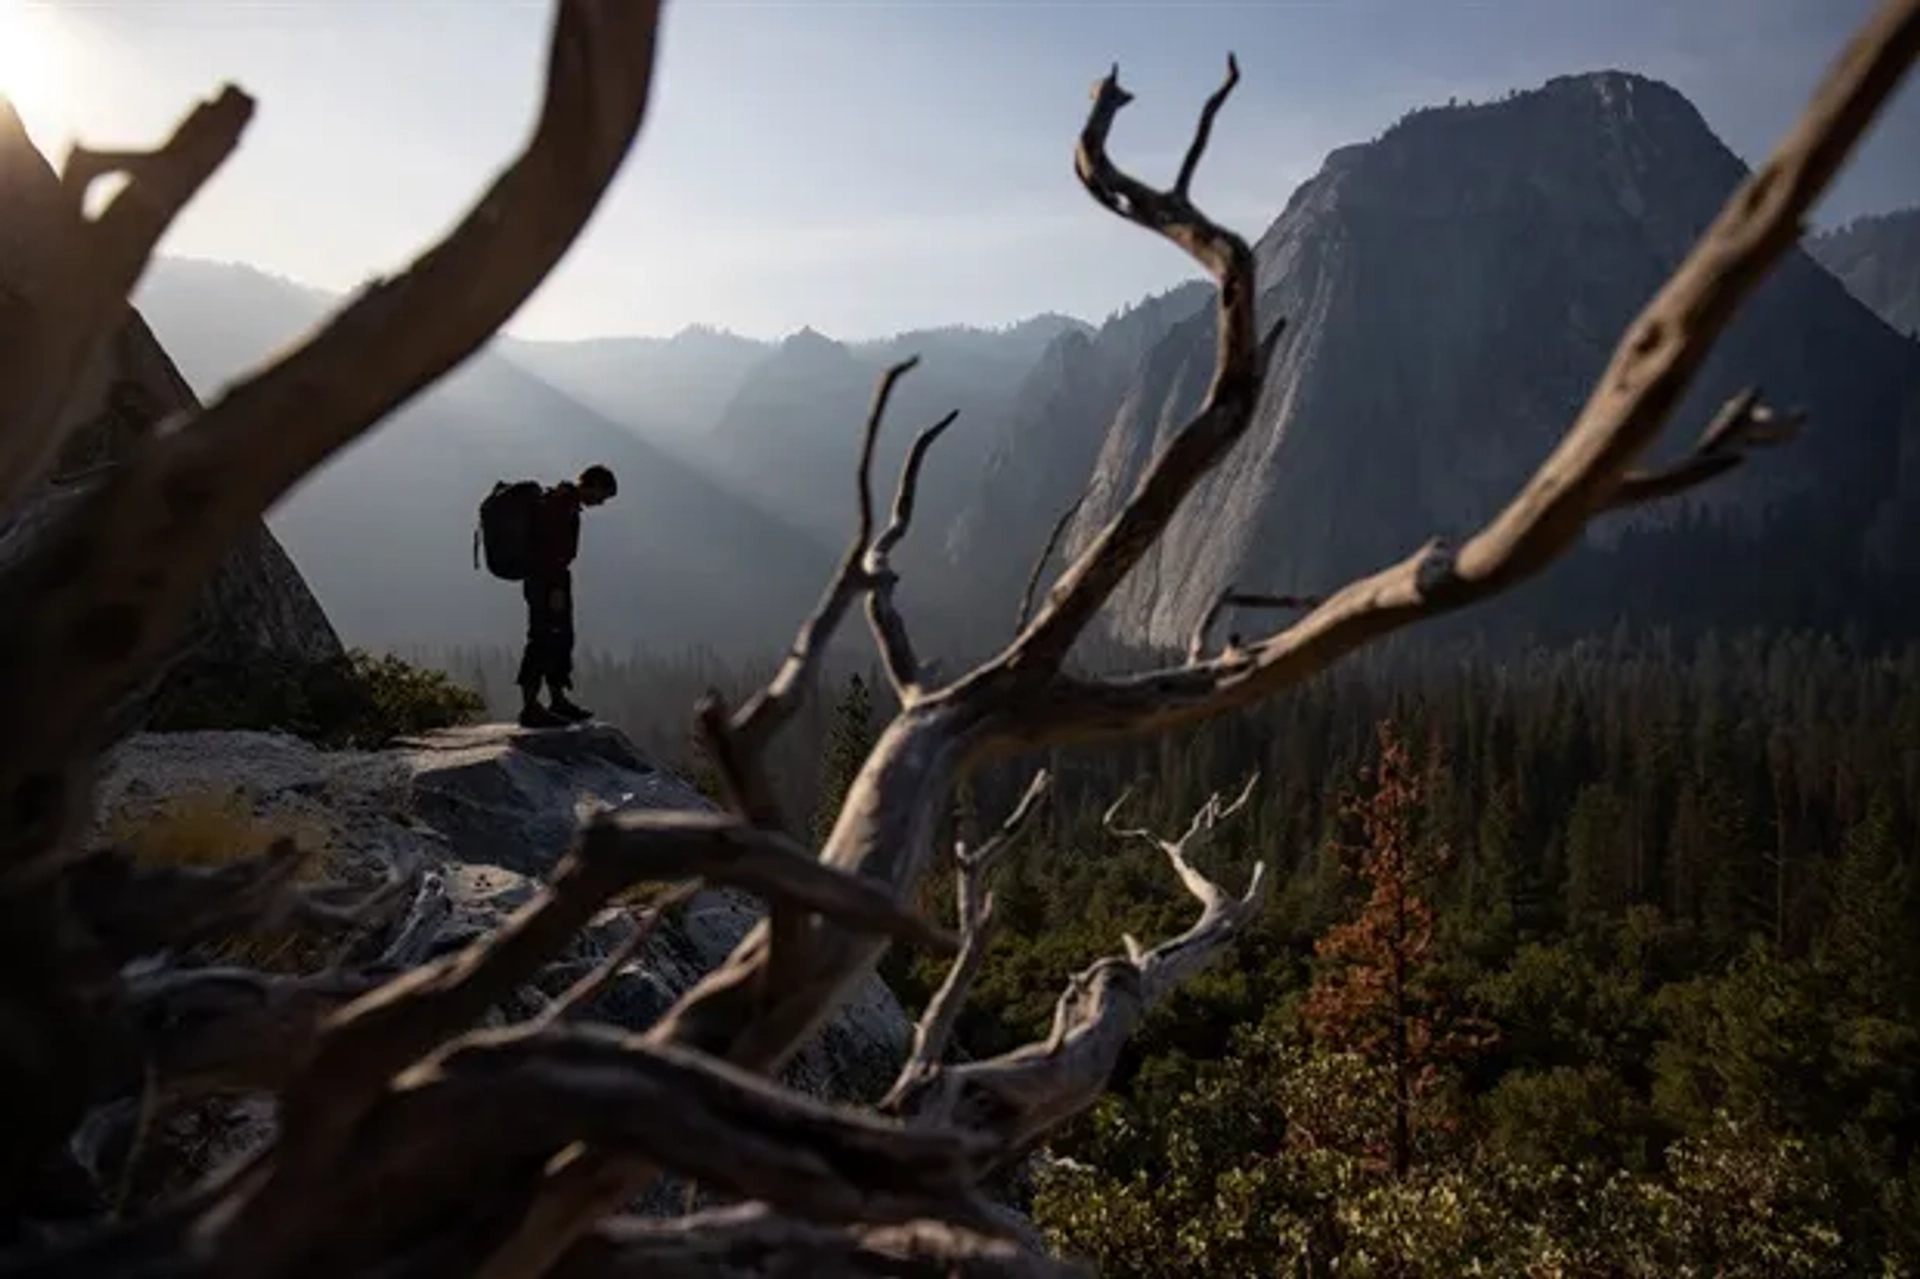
[
  {"x": 1452, "y": 288},
  {"x": 383, "y": 532},
  {"x": 1878, "y": 259}
]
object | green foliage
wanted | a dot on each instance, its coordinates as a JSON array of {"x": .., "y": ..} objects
[
  {"x": 1682, "y": 890},
  {"x": 851, "y": 733},
  {"x": 358, "y": 700},
  {"x": 1256, "y": 1179}
]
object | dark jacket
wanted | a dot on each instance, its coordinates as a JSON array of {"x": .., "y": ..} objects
[{"x": 556, "y": 530}]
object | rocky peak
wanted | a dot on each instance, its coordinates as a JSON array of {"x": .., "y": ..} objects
[
  {"x": 808, "y": 343},
  {"x": 1452, "y": 290},
  {"x": 257, "y": 604}
]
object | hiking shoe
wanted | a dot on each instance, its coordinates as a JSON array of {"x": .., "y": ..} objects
[
  {"x": 566, "y": 710},
  {"x": 538, "y": 716}
]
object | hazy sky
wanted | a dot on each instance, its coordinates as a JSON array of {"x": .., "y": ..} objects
[{"x": 859, "y": 165}]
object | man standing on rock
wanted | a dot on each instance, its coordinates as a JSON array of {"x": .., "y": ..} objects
[{"x": 548, "y": 588}]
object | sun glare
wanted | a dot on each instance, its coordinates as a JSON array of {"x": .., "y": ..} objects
[{"x": 30, "y": 67}]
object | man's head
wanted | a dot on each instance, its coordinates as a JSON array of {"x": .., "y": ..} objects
[{"x": 597, "y": 485}]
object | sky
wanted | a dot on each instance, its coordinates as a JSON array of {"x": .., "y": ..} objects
[{"x": 860, "y": 166}]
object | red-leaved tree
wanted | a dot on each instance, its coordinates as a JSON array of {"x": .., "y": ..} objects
[{"x": 1375, "y": 991}]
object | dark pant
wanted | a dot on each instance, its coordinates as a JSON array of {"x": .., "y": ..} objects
[{"x": 549, "y": 654}]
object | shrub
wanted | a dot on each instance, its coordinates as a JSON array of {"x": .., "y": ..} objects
[
  {"x": 356, "y": 701},
  {"x": 208, "y": 828}
]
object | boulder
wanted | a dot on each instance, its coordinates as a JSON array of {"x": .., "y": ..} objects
[{"x": 487, "y": 810}]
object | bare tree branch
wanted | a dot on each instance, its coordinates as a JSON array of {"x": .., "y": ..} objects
[
  {"x": 1204, "y": 130},
  {"x": 99, "y": 597},
  {"x": 377, "y": 1036},
  {"x": 889, "y": 629},
  {"x": 1040, "y": 561},
  {"x": 1742, "y": 423},
  {"x": 756, "y": 1013},
  {"x": 1231, "y": 598},
  {"x": 544, "y": 1089},
  {"x": 744, "y": 786},
  {"x": 660, "y": 844},
  {"x": 754, "y": 724},
  {"x": 981, "y": 860},
  {"x": 1224, "y": 412},
  {"x": 1206, "y": 819},
  {"x": 1022, "y": 1094},
  {"x": 1585, "y": 475},
  {"x": 92, "y": 265},
  {"x": 975, "y": 907},
  {"x": 735, "y": 743},
  {"x": 751, "y": 1241}
]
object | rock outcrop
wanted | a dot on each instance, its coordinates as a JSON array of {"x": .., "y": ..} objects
[
  {"x": 1452, "y": 290},
  {"x": 257, "y": 604},
  {"x": 486, "y": 810}
]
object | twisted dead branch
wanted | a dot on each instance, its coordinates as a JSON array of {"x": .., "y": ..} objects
[
  {"x": 883, "y": 616},
  {"x": 1040, "y": 561},
  {"x": 379, "y": 1166},
  {"x": 88, "y": 267},
  {"x": 1023, "y": 1094},
  {"x": 974, "y": 904},
  {"x": 750, "y": 1239},
  {"x": 1231, "y": 598}
]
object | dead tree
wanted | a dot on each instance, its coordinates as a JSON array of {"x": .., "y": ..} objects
[{"x": 379, "y": 1166}]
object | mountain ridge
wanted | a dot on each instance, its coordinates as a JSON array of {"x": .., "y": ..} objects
[
  {"x": 1452, "y": 290},
  {"x": 383, "y": 530},
  {"x": 1878, "y": 258}
]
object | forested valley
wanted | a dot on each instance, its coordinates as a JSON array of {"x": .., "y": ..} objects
[{"x": 1603, "y": 958}]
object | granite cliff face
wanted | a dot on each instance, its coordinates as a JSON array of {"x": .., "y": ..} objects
[
  {"x": 257, "y": 603},
  {"x": 1452, "y": 289},
  {"x": 1045, "y": 446}
]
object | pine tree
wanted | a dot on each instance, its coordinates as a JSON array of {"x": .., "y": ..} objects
[
  {"x": 850, "y": 738},
  {"x": 1871, "y": 936},
  {"x": 1374, "y": 992}
]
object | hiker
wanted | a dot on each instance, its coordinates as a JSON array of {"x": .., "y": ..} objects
[{"x": 548, "y": 587}]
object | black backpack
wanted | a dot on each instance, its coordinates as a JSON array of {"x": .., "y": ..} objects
[{"x": 506, "y": 529}]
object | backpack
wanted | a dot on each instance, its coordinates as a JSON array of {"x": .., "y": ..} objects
[{"x": 505, "y": 530}]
